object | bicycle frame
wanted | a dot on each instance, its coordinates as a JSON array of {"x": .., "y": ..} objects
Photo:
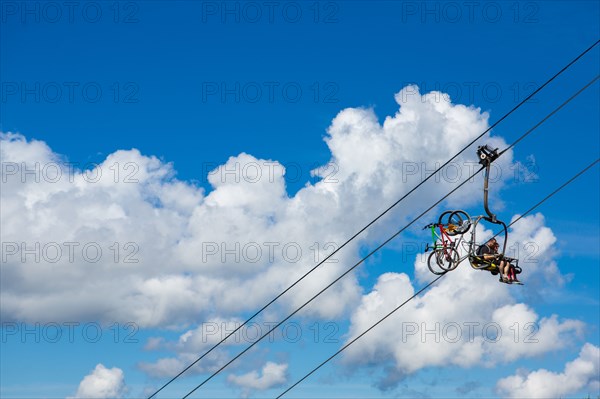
[{"x": 444, "y": 239}]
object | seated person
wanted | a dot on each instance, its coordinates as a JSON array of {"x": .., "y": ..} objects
[{"x": 489, "y": 253}]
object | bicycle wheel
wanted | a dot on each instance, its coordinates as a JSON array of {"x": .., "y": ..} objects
[
  {"x": 444, "y": 218},
  {"x": 460, "y": 222},
  {"x": 447, "y": 258},
  {"x": 433, "y": 264}
]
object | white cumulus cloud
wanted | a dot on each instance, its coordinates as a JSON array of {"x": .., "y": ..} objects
[
  {"x": 194, "y": 342},
  {"x": 125, "y": 241},
  {"x": 271, "y": 375},
  {"x": 102, "y": 383},
  {"x": 579, "y": 375},
  {"x": 468, "y": 319}
]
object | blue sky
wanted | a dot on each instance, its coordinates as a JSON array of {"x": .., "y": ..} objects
[{"x": 194, "y": 83}]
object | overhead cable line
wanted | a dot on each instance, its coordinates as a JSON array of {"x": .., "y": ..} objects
[
  {"x": 430, "y": 284},
  {"x": 385, "y": 242},
  {"x": 376, "y": 219}
]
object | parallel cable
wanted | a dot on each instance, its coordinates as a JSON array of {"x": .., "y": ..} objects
[
  {"x": 553, "y": 192},
  {"x": 382, "y": 245},
  {"x": 591, "y": 82},
  {"x": 361, "y": 335},
  {"x": 377, "y": 218},
  {"x": 330, "y": 284},
  {"x": 430, "y": 284}
]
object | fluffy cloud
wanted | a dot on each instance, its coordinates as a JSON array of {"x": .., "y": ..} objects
[
  {"x": 273, "y": 375},
  {"x": 581, "y": 374},
  {"x": 102, "y": 383},
  {"x": 468, "y": 319},
  {"x": 196, "y": 341},
  {"x": 126, "y": 241}
]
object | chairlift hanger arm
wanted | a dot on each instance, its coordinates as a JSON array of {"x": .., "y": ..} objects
[{"x": 487, "y": 155}]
